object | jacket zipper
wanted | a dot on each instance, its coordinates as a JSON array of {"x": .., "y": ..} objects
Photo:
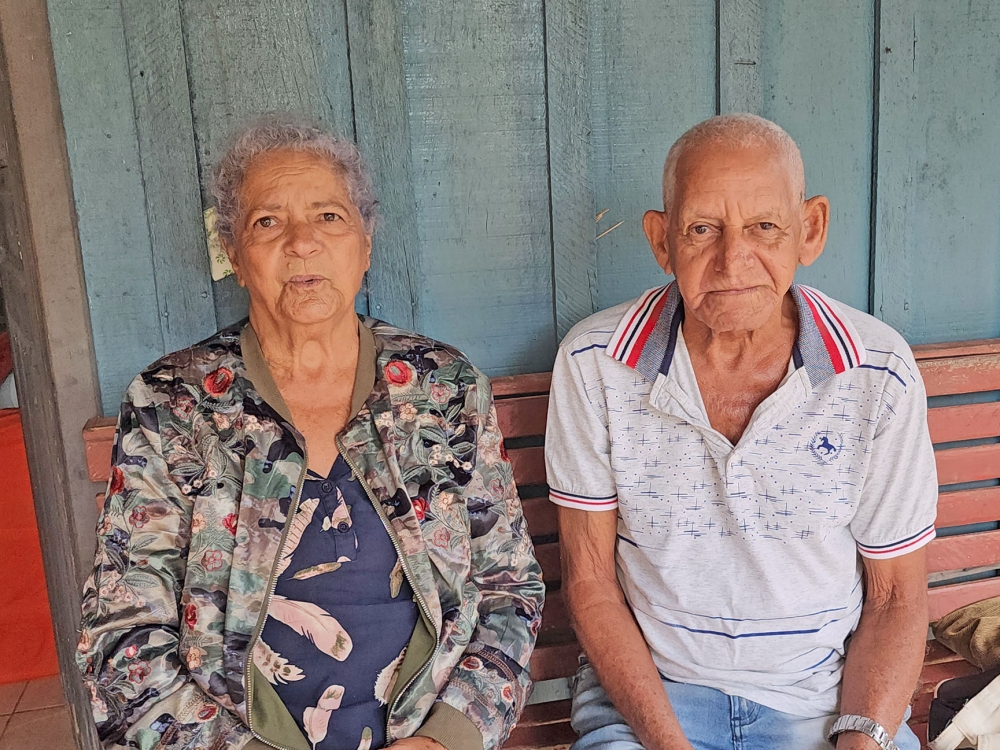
[
  {"x": 409, "y": 577},
  {"x": 272, "y": 585}
]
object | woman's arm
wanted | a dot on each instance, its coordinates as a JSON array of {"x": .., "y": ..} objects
[
  {"x": 141, "y": 692},
  {"x": 490, "y": 686}
]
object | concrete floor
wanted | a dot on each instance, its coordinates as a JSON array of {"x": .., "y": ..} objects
[{"x": 34, "y": 716}]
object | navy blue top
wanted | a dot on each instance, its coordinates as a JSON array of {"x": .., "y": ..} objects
[{"x": 340, "y": 618}]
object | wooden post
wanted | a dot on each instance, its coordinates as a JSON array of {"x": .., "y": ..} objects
[{"x": 47, "y": 310}]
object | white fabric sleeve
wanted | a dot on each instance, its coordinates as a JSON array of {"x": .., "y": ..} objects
[
  {"x": 899, "y": 498},
  {"x": 577, "y": 444}
]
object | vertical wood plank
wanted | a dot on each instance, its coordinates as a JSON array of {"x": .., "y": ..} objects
[
  {"x": 170, "y": 170},
  {"x": 246, "y": 59},
  {"x": 653, "y": 78},
  {"x": 937, "y": 257},
  {"x": 103, "y": 148},
  {"x": 383, "y": 132},
  {"x": 475, "y": 75},
  {"x": 895, "y": 203},
  {"x": 822, "y": 94},
  {"x": 741, "y": 31},
  {"x": 574, "y": 247}
]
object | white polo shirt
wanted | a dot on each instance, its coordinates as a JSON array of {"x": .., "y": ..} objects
[{"x": 741, "y": 564}]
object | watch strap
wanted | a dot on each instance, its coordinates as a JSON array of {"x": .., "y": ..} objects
[{"x": 866, "y": 726}]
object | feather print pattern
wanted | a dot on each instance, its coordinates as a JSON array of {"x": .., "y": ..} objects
[
  {"x": 314, "y": 623},
  {"x": 316, "y": 720},
  {"x": 316, "y": 570},
  {"x": 303, "y": 517},
  {"x": 273, "y": 665}
]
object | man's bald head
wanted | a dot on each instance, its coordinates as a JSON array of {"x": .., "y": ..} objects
[{"x": 735, "y": 131}]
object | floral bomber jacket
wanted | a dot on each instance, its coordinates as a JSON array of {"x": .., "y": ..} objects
[{"x": 206, "y": 471}]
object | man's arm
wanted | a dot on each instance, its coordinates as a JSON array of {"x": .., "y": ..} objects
[
  {"x": 887, "y": 650},
  {"x": 608, "y": 632}
]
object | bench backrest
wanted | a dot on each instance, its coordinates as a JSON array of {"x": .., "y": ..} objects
[{"x": 967, "y": 442}]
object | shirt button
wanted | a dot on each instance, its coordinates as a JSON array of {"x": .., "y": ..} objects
[
  {"x": 326, "y": 486},
  {"x": 343, "y": 526}
]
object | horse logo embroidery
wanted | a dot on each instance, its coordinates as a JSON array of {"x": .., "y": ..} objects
[{"x": 826, "y": 446}]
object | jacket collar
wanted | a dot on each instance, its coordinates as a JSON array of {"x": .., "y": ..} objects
[
  {"x": 259, "y": 374},
  {"x": 827, "y": 344}
]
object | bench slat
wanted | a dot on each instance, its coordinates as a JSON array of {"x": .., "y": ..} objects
[
  {"x": 967, "y": 422},
  {"x": 543, "y": 725},
  {"x": 541, "y": 515},
  {"x": 968, "y": 506},
  {"x": 548, "y": 557},
  {"x": 522, "y": 417},
  {"x": 555, "y": 661},
  {"x": 970, "y": 374},
  {"x": 521, "y": 385},
  {"x": 968, "y": 464},
  {"x": 528, "y": 465},
  {"x": 98, "y": 437},
  {"x": 956, "y": 349},
  {"x": 555, "y": 616},
  {"x": 963, "y": 551},
  {"x": 944, "y": 599},
  {"x": 556, "y": 736}
]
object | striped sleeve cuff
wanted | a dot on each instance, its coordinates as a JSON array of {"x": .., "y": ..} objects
[
  {"x": 902, "y": 547},
  {"x": 582, "y": 502}
]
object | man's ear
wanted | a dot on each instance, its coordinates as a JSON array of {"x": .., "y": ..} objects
[
  {"x": 368, "y": 253},
  {"x": 232, "y": 255},
  {"x": 654, "y": 224},
  {"x": 816, "y": 224}
]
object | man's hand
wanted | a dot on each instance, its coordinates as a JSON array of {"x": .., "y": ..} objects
[
  {"x": 418, "y": 743},
  {"x": 856, "y": 741}
]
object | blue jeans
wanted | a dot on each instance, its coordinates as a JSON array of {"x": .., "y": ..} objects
[{"x": 711, "y": 720}]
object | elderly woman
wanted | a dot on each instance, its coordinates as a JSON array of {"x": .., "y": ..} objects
[{"x": 311, "y": 538}]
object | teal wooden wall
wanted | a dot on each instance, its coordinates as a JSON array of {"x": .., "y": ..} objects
[{"x": 499, "y": 129}]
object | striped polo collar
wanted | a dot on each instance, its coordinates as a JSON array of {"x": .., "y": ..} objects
[{"x": 827, "y": 345}]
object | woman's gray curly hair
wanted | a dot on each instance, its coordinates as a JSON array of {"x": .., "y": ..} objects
[{"x": 279, "y": 133}]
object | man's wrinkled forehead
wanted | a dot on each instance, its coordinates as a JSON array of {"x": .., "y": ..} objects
[{"x": 757, "y": 177}]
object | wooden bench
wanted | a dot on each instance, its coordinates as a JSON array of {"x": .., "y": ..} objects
[{"x": 949, "y": 370}]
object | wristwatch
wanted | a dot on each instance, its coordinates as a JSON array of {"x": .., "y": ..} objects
[{"x": 852, "y": 723}]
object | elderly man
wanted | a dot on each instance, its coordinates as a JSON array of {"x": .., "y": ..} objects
[{"x": 745, "y": 477}]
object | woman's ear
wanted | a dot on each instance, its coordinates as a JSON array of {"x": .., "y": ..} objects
[
  {"x": 815, "y": 225},
  {"x": 231, "y": 253}
]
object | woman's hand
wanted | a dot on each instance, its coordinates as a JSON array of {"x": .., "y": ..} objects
[{"x": 418, "y": 743}]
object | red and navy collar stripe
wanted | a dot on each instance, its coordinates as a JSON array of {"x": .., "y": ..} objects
[
  {"x": 828, "y": 344},
  {"x": 646, "y": 335}
]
